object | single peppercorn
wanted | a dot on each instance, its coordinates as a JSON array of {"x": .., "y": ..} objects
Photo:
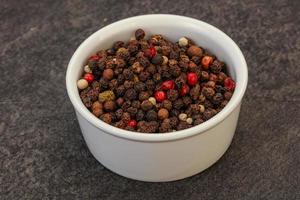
[
  {"x": 120, "y": 101},
  {"x": 208, "y": 92},
  {"x": 217, "y": 99},
  {"x": 109, "y": 106},
  {"x": 108, "y": 74},
  {"x": 151, "y": 115},
  {"x": 157, "y": 59},
  {"x": 107, "y": 118},
  {"x": 130, "y": 94},
  {"x": 172, "y": 95},
  {"x": 167, "y": 104},
  {"x": 146, "y": 105},
  {"x": 163, "y": 114},
  {"x": 194, "y": 51},
  {"x": 139, "y": 34}
]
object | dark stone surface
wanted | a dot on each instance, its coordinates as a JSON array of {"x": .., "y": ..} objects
[{"x": 42, "y": 152}]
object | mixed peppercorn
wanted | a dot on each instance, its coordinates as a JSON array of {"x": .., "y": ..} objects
[{"x": 153, "y": 85}]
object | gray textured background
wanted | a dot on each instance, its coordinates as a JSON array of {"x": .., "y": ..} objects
[{"x": 42, "y": 152}]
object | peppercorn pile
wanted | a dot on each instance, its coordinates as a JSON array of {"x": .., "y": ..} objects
[{"x": 153, "y": 85}]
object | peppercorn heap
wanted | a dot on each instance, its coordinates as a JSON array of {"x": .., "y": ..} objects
[{"x": 154, "y": 85}]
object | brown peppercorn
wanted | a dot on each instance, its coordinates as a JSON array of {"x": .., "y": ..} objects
[
  {"x": 165, "y": 126},
  {"x": 151, "y": 115},
  {"x": 113, "y": 84},
  {"x": 140, "y": 86},
  {"x": 165, "y": 50},
  {"x": 125, "y": 117},
  {"x": 144, "y": 61},
  {"x": 128, "y": 84},
  {"x": 140, "y": 115},
  {"x": 139, "y": 34},
  {"x": 198, "y": 121},
  {"x": 123, "y": 53},
  {"x": 120, "y": 91},
  {"x": 178, "y": 104},
  {"x": 143, "y": 76},
  {"x": 128, "y": 74},
  {"x": 175, "y": 71},
  {"x": 120, "y": 79},
  {"x": 172, "y": 95},
  {"x": 196, "y": 60},
  {"x": 151, "y": 69},
  {"x": 120, "y": 124},
  {"x": 107, "y": 118},
  {"x": 118, "y": 45},
  {"x": 148, "y": 127},
  {"x": 204, "y": 75},
  {"x": 136, "y": 104},
  {"x": 195, "y": 92},
  {"x": 130, "y": 94},
  {"x": 174, "y": 112},
  {"x": 221, "y": 77},
  {"x": 119, "y": 113},
  {"x": 227, "y": 95},
  {"x": 144, "y": 95},
  {"x": 223, "y": 104},
  {"x": 209, "y": 113},
  {"x": 187, "y": 100},
  {"x": 210, "y": 84},
  {"x": 109, "y": 106},
  {"x": 156, "y": 77},
  {"x": 194, "y": 51},
  {"x": 163, "y": 114},
  {"x": 184, "y": 58},
  {"x": 183, "y": 125},
  {"x": 208, "y": 92},
  {"x": 173, "y": 121},
  {"x": 137, "y": 67},
  {"x": 167, "y": 104},
  {"x": 150, "y": 84},
  {"x": 217, "y": 99},
  {"x": 201, "y": 98},
  {"x": 146, "y": 105},
  {"x": 207, "y": 104},
  {"x": 192, "y": 66},
  {"x": 132, "y": 111},
  {"x": 120, "y": 101},
  {"x": 133, "y": 49},
  {"x": 213, "y": 77},
  {"x": 174, "y": 55},
  {"x": 97, "y": 108},
  {"x": 216, "y": 66}
]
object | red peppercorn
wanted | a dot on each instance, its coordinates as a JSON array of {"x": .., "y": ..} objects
[
  {"x": 229, "y": 84},
  {"x": 192, "y": 78},
  {"x": 132, "y": 123},
  {"x": 206, "y": 61},
  {"x": 160, "y": 96},
  {"x": 89, "y": 77},
  {"x": 184, "y": 90},
  {"x": 168, "y": 85},
  {"x": 94, "y": 58},
  {"x": 152, "y": 51}
]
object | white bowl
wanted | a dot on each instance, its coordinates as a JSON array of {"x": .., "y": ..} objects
[{"x": 160, "y": 157}]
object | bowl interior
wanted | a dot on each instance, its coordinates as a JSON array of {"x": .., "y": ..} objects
[{"x": 172, "y": 27}]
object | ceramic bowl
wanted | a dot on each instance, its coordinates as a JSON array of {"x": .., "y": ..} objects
[{"x": 168, "y": 156}]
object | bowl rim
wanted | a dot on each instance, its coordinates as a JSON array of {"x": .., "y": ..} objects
[{"x": 157, "y": 137}]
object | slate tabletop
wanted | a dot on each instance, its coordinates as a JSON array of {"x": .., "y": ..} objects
[{"x": 42, "y": 152}]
